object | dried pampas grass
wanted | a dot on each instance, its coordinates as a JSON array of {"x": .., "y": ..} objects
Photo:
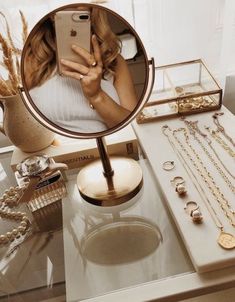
[
  {"x": 5, "y": 90},
  {"x": 15, "y": 50},
  {"x": 24, "y": 26},
  {"x": 10, "y": 58}
]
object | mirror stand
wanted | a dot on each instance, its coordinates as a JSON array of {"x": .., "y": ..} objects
[
  {"x": 59, "y": 104},
  {"x": 109, "y": 181}
]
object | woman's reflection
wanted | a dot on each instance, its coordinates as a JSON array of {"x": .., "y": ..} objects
[{"x": 89, "y": 97}]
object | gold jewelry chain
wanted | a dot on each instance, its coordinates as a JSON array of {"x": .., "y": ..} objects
[
  {"x": 219, "y": 140},
  {"x": 194, "y": 129},
  {"x": 209, "y": 141},
  {"x": 225, "y": 240},
  {"x": 194, "y": 178},
  {"x": 220, "y": 128},
  {"x": 225, "y": 206}
]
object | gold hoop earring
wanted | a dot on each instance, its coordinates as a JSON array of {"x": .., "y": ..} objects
[
  {"x": 192, "y": 208},
  {"x": 179, "y": 184}
]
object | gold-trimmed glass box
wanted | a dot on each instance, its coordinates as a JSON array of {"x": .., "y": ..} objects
[{"x": 182, "y": 88}]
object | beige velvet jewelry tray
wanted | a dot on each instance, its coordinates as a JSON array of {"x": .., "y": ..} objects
[{"x": 200, "y": 239}]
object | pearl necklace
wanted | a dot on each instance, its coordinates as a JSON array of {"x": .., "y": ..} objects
[{"x": 9, "y": 200}]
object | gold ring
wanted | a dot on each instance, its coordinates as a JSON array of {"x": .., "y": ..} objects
[
  {"x": 193, "y": 206},
  {"x": 94, "y": 64},
  {"x": 178, "y": 180},
  {"x": 168, "y": 165}
]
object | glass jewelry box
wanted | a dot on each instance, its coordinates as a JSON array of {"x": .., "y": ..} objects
[{"x": 182, "y": 88}]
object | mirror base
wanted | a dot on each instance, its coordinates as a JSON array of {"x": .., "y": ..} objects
[{"x": 99, "y": 190}]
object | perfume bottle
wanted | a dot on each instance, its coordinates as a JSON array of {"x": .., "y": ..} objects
[{"x": 51, "y": 184}]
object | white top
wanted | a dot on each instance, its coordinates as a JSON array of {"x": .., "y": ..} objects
[{"x": 62, "y": 101}]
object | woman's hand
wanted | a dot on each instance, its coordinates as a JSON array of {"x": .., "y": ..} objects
[{"x": 89, "y": 75}]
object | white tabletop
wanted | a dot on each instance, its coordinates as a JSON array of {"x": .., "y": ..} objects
[{"x": 95, "y": 263}]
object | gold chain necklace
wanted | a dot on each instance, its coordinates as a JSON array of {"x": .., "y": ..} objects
[
  {"x": 213, "y": 187},
  {"x": 209, "y": 141},
  {"x": 220, "y": 128},
  {"x": 225, "y": 240},
  {"x": 219, "y": 140},
  {"x": 194, "y": 130}
]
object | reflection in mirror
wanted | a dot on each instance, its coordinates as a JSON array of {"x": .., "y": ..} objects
[{"x": 84, "y": 69}]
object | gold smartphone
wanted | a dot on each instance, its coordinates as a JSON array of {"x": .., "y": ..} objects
[{"x": 72, "y": 27}]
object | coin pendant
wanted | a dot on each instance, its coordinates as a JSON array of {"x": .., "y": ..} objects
[{"x": 226, "y": 241}]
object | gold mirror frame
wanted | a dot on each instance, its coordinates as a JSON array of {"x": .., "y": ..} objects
[
  {"x": 149, "y": 80},
  {"x": 116, "y": 180}
]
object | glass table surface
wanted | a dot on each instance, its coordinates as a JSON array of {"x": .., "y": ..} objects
[{"x": 80, "y": 251}]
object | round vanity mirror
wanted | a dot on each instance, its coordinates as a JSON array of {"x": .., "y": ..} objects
[
  {"x": 85, "y": 74},
  {"x": 84, "y": 70}
]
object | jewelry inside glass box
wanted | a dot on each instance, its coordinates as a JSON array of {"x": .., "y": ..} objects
[{"x": 182, "y": 88}]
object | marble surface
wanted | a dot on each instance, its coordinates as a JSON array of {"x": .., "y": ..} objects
[{"x": 200, "y": 240}]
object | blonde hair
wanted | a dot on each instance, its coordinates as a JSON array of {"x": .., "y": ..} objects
[{"x": 40, "y": 55}]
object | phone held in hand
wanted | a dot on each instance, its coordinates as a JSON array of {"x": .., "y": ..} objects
[{"x": 72, "y": 27}]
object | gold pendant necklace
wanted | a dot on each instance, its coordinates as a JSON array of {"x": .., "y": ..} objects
[{"x": 225, "y": 240}]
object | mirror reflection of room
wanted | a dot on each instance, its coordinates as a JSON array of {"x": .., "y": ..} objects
[{"x": 83, "y": 85}]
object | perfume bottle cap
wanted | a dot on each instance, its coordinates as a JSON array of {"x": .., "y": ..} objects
[{"x": 33, "y": 165}]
